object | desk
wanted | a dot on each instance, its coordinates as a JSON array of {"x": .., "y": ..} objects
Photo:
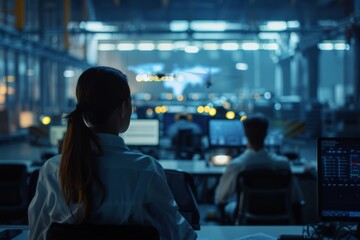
[
  {"x": 200, "y": 167},
  {"x": 206, "y": 176},
  {"x": 206, "y": 232},
  {"x": 210, "y": 232},
  {"x": 22, "y": 236},
  {"x": 235, "y": 232}
]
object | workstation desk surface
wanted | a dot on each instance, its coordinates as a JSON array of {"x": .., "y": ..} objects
[
  {"x": 206, "y": 232},
  {"x": 214, "y": 232},
  {"x": 201, "y": 167}
]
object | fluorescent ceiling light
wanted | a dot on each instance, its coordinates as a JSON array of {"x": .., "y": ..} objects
[
  {"x": 269, "y": 35},
  {"x": 250, "y": 46},
  {"x": 210, "y": 46},
  {"x": 94, "y": 26},
  {"x": 191, "y": 49},
  {"x": 230, "y": 46},
  {"x": 241, "y": 66},
  {"x": 274, "y": 26},
  {"x": 326, "y": 46},
  {"x": 165, "y": 46},
  {"x": 106, "y": 47},
  {"x": 69, "y": 73},
  {"x": 146, "y": 46},
  {"x": 293, "y": 24},
  {"x": 199, "y": 25},
  {"x": 341, "y": 46},
  {"x": 179, "y": 26},
  {"x": 270, "y": 46},
  {"x": 125, "y": 47}
]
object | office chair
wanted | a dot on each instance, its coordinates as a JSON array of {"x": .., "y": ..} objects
[
  {"x": 264, "y": 197},
  {"x": 13, "y": 193},
  {"x": 183, "y": 188},
  {"x": 63, "y": 231},
  {"x": 32, "y": 184},
  {"x": 187, "y": 144}
]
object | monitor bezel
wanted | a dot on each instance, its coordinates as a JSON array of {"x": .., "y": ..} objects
[{"x": 319, "y": 174}]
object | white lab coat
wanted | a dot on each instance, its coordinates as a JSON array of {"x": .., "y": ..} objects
[{"x": 136, "y": 193}]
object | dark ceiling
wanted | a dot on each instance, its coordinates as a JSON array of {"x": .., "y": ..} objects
[{"x": 308, "y": 12}]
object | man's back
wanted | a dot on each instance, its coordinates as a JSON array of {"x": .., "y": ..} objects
[{"x": 249, "y": 159}]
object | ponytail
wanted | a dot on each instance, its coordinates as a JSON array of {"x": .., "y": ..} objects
[
  {"x": 78, "y": 162},
  {"x": 99, "y": 91}
]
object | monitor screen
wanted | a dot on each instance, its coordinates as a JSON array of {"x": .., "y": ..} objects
[
  {"x": 339, "y": 179},
  {"x": 56, "y": 133},
  {"x": 142, "y": 132},
  {"x": 225, "y": 133},
  {"x": 201, "y": 120}
]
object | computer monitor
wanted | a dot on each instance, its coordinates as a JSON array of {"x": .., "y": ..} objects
[
  {"x": 225, "y": 133},
  {"x": 56, "y": 133},
  {"x": 201, "y": 120},
  {"x": 339, "y": 179},
  {"x": 142, "y": 132}
]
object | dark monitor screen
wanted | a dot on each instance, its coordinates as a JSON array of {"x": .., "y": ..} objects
[
  {"x": 225, "y": 133},
  {"x": 201, "y": 120},
  {"x": 142, "y": 132},
  {"x": 339, "y": 179}
]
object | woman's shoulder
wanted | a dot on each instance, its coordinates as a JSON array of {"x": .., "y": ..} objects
[
  {"x": 147, "y": 161},
  {"x": 52, "y": 165}
]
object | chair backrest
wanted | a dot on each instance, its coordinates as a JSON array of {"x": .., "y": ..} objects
[
  {"x": 33, "y": 183},
  {"x": 264, "y": 197},
  {"x": 59, "y": 231},
  {"x": 183, "y": 188},
  {"x": 187, "y": 143},
  {"x": 13, "y": 189}
]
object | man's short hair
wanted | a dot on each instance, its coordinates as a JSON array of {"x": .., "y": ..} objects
[{"x": 255, "y": 128}]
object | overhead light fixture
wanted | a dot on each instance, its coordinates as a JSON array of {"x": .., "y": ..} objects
[
  {"x": 241, "y": 66},
  {"x": 270, "y": 46},
  {"x": 200, "y": 25},
  {"x": 191, "y": 49},
  {"x": 230, "y": 46},
  {"x": 69, "y": 73},
  {"x": 146, "y": 46},
  {"x": 106, "y": 47},
  {"x": 94, "y": 26},
  {"x": 341, "y": 46},
  {"x": 274, "y": 26},
  {"x": 250, "y": 46},
  {"x": 326, "y": 46},
  {"x": 179, "y": 26},
  {"x": 269, "y": 35},
  {"x": 125, "y": 46},
  {"x": 165, "y": 46},
  {"x": 333, "y": 45},
  {"x": 210, "y": 46},
  {"x": 293, "y": 24}
]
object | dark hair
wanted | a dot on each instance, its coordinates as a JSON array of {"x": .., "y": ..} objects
[
  {"x": 255, "y": 128},
  {"x": 99, "y": 91}
]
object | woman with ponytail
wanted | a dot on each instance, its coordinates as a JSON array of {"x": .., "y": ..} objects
[{"x": 97, "y": 178}]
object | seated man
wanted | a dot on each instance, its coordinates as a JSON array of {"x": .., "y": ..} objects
[
  {"x": 255, "y": 155},
  {"x": 182, "y": 122},
  {"x": 185, "y": 136}
]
